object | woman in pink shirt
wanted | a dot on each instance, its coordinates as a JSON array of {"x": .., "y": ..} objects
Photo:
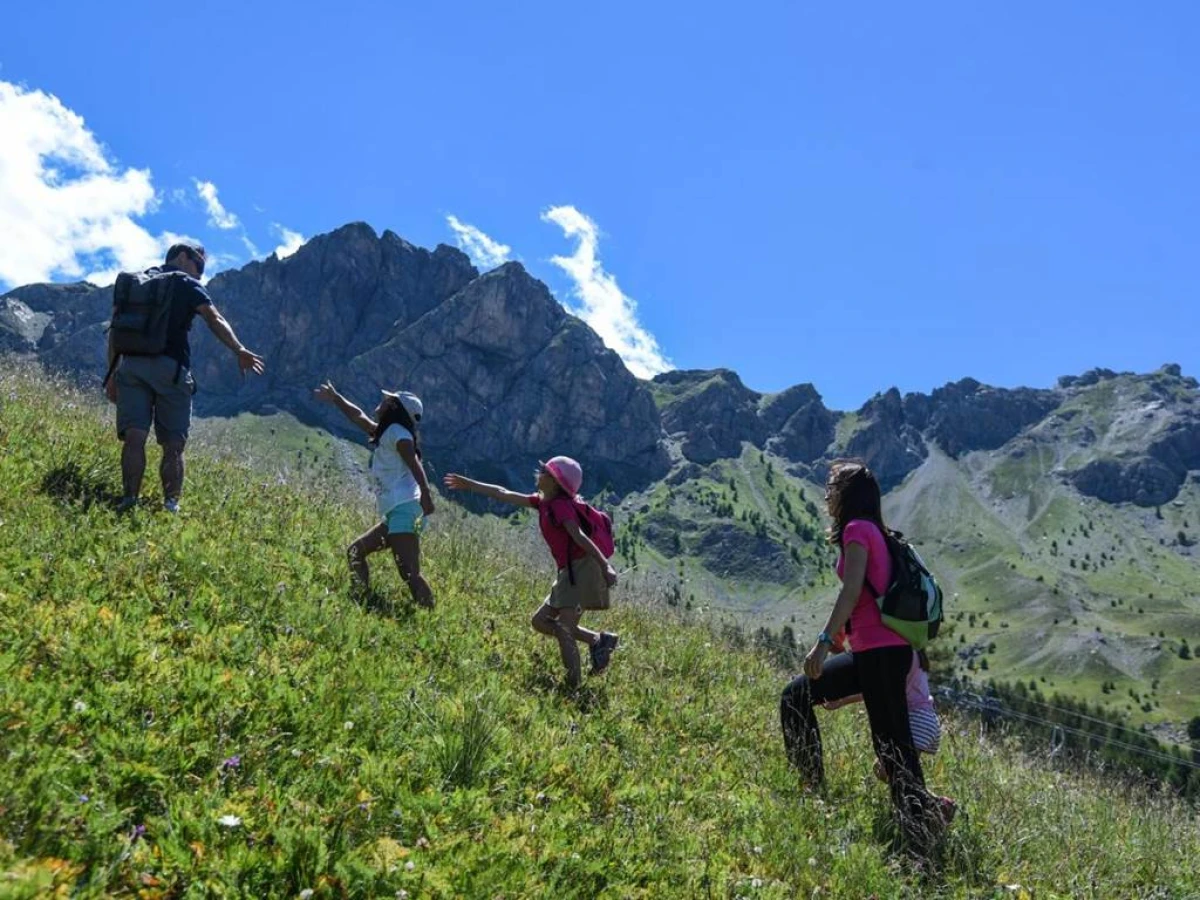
[{"x": 877, "y": 666}]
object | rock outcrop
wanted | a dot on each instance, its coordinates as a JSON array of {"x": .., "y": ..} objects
[
  {"x": 713, "y": 410},
  {"x": 967, "y": 415}
]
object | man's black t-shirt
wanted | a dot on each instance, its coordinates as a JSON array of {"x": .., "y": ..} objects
[{"x": 187, "y": 298}]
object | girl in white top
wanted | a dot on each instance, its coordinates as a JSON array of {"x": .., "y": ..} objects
[{"x": 400, "y": 483}]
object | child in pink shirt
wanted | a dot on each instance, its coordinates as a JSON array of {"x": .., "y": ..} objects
[{"x": 584, "y": 572}]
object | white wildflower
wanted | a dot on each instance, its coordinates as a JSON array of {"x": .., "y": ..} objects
[
  {"x": 79, "y": 706},
  {"x": 230, "y": 821},
  {"x": 306, "y": 894},
  {"x": 409, "y": 866},
  {"x": 349, "y": 726}
]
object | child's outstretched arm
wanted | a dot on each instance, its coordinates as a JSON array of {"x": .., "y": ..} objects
[
  {"x": 577, "y": 535},
  {"x": 491, "y": 491},
  {"x": 844, "y": 701},
  {"x": 329, "y": 394}
]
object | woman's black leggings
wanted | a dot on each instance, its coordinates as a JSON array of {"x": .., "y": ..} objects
[{"x": 880, "y": 676}]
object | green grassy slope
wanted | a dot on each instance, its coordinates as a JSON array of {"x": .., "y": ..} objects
[
  {"x": 1090, "y": 599},
  {"x": 190, "y": 706},
  {"x": 1001, "y": 528},
  {"x": 279, "y": 442},
  {"x": 742, "y": 536},
  {"x": 1068, "y": 590}
]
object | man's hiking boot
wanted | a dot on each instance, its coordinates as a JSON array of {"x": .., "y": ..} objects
[
  {"x": 601, "y": 652},
  {"x": 171, "y": 505},
  {"x": 126, "y": 504}
]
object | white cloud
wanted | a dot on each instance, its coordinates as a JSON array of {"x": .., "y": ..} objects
[
  {"x": 109, "y": 274},
  {"x": 484, "y": 252},
  {"x": 292, "y": 240},
  {"x": 66, "y": 209},
  {"x": 218, "y": 215},
  {"x": 612, "y": 314},
  {"x": 250, "y": 247}
]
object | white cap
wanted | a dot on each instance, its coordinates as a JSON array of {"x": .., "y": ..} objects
[{"x": 410, "y": 401}]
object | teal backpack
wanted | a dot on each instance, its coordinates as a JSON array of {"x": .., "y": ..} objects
[{"x": 912, "y": 604}]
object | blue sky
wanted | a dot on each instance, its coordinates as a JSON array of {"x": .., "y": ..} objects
[{"x": 904, "y": 194}]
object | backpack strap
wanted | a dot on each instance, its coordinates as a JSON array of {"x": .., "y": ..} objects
[
  {"x": 875, "y": 595},
  {"x": 166, "y": 296}
]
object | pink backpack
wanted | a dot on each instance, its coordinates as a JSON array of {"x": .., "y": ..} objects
[{"x": 597, "y": 525}]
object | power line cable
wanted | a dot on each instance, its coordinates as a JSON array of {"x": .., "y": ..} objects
[
  {"x": 994, "y": 706},
  {"x": 1104, "y": 722}
]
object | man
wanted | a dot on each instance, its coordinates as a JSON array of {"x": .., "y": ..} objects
[{"x": 158, "y": 387}]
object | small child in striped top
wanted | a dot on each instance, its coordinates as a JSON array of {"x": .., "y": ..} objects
[
  {"x": 926, "y": 728},
  {"x": 922, "y": 717}
]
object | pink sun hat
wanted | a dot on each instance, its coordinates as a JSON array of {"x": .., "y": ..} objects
[{"x": 567, "y": 472}]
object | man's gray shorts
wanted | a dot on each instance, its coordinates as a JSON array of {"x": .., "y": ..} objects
[{"x": 154, "y": 389}]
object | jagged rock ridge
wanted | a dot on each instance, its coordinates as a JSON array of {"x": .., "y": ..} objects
[{"x": 509, "y": 376}]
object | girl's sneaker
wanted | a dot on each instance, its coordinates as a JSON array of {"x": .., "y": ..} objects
[{"x": 601, "y": 652}]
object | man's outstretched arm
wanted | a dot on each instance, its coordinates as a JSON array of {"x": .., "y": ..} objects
[{"x": 248, "y": 360}]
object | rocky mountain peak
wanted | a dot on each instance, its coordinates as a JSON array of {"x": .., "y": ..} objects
[
  {"x": 968, "y": 415},
  {"x": 712, "y": 409}
]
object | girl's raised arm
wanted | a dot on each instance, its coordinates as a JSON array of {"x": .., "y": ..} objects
[{"x": 329, "y": 394}]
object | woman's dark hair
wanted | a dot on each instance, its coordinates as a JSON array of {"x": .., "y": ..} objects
[
  {"x": 394, "y": 413},
  {"x": 851, "y": 492}
]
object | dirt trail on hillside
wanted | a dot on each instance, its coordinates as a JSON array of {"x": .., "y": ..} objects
[{"x": 763, "y": 506}]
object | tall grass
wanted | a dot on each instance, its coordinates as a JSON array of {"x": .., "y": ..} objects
[{"x": 193, "y": 706}]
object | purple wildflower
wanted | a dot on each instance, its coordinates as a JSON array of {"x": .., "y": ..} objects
[
  {"x": 232, "y": 763},
  {"x": 138, "y": 832}
]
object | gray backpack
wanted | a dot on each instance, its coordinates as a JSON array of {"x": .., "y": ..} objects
[{"x": 142, "y": 312}]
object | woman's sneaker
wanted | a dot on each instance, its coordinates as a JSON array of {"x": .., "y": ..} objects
[
  {"x": 601, "y": 652},
  {"x": 946, "y": 809}
]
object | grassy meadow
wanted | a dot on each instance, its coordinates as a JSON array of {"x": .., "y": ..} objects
[{"x": 192, "y": 706}]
